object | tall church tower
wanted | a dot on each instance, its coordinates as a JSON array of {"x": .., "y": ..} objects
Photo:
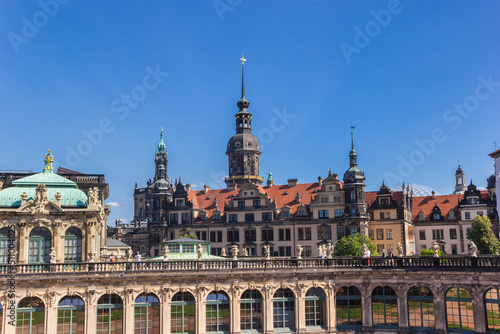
[
  {"x": 243, "y": 149},
  {"x": 460, "y": 186},
  {"x": 161, "y": 159},
  {"x": 356, "y": 216}
]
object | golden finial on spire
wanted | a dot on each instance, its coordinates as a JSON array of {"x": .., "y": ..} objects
[
  {"x": 243, "y": 60},
  {"x": 49, "y": 160}
]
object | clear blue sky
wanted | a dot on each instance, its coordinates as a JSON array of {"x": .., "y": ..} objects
[{"x": 397, "y": 81}]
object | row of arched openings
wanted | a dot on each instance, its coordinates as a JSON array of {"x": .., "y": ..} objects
[
  {"x": 40, "y": 244},
  {"x": 420, "y": 303}
]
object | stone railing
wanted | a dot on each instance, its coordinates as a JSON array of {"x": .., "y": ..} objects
[{"x": 411, "y": 263}]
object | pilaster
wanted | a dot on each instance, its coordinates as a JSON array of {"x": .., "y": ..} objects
[
  {"x": 402, "y": 310},
  {"x": 235, "y": 309},
  {"x": 128, "y": 312},
  {"x": 479, "y": 310},
  {"x": 439, "y": 310},
  {"x": 165, "y": 310},
  {"x": 331, "y": 309},
  {"x": 268, "y": 325},
  {"x": 300, "y": 308},
  {"x": 201, "y": 309},
  {"x": 366, "y": 302}
]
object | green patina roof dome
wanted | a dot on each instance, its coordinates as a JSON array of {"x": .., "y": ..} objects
[{"x": 71, "y": 196}]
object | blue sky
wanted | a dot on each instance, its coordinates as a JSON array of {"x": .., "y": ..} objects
[{"x": 398, "y": 71}]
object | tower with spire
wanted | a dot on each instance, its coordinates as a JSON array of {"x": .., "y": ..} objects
[
  {"x": 243, "y": 149},
  {"x": 460, "y": 186},
  {"x": 356, "y": 216},
  {"x": 161, "y": 160}
]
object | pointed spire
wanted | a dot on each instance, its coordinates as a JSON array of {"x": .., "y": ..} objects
[
  {"x": 243, "y": 103},
  {"x": 352, "y": 137},
  {"x": 161, "y": 145}
]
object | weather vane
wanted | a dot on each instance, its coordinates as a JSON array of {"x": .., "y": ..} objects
[{"x": 243, "y": 60}]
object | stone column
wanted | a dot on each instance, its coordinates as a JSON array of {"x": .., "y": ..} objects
[
  {"x": 439, "y": 310},
  {"x": 165, "y": 310},
  {"x": 300, "y": 310},
  {"x": 331, "y": 309},
  {"x": 22, "y": 243},
  {"x": 128, "y": 312},
  {"x": 57, "y": 242},
  {"x": 90, "y": 312},
  {"x": 50, "y": 314},
  {"x": 235, "y": 310},
  {"x": 201, "y": 309},
  {"x": 478, "y": 307},
  {"x": 267, "y": 294},
  {"x": 402, "y": 311},
  {"x": 366, "y": 304}
]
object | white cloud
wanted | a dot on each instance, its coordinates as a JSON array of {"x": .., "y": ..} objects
[{"x": 113, "y": 204}]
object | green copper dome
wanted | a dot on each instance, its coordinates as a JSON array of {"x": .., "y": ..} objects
[
  {"x": 71, "y": 196},
  {"x": 161, "y": 145}
]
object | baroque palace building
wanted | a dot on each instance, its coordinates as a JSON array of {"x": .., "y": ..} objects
[{"x": 57, "y": 277}]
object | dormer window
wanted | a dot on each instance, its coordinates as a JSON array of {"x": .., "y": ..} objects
[
  {"x": 421, "y": 215},
  {"x": 179, "y": 202},
  {"x": 436, "y": 216},
  {"x": 452, "y": 214}
]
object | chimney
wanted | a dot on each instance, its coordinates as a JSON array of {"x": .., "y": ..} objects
[
  {"x": 433, "y": 193},
  {"x": 206, "y": 188},
  {"x": 188, "y": 187},
  {"x": 320, "y": 181},
  {"x": 293, "y": 182}
]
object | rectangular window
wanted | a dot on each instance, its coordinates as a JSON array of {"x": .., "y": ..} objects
[
  {"x": 323, "y": 214},
  {"x": 186, "y": 217},
  {"x": 284, "y": 234},
  {"x": 379, "y": 248},
  {"x": 256, "y": 203},
  {"x": 216, "y": 236},
  {"x": 340, "y": 232},
  {"x": 371, "y": 234},
  {"x": 233, "y": 217},
  {"x": 480, "y": 213},
  {"x": 388, "y": 234},
  {"x": 422, "y": 234},
  {"x": 382, "y": 215},
  {"x": 285, "y": 213},
  {"x": 307, "y": 251},
  {"x": 173, "y": 218},
  {"x": 249, "y": 217},
  {"x": 233, "y": 236},
  {"x": 285, "y": 251},
  {"x": 267, "y": 234},
  {"x": 304, "y": 233},
  {"x": 324, "y": 232},
  {"x": 423, "y": 247},
  {"x": 179, "y": 202},
  {"x": 354, "y": 231},
  {"x": 201, "y": 235},
  {"x": 380, "y": 234},
  {"x": 250, "y": 235},
  {"x": 267, "y": 216},
  {"x": 437, "y": 234},
  {"x": 215, "y": 251},
  {"x": 467, "y": 215},
  {"x": 241, "y": 204},
  {"x": 453, "y": 233},
  {"x": 453, "y": 249},
  {"x": 216, "y": 216},
  {"x": 337, "y": 213}
]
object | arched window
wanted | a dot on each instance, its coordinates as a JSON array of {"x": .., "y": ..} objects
[
  {"x": 218, "y": 319},
  {"x": 421, "y": 308},
  {"x": 251, "y": 311},
  {"x": 30, "y": 316},
  {"x": 492, "y": 303},
  {"x": 183, "y": 313},
  {"x": 147, "y": 314},
  {"x": 39, "y": 245},
  {"x": 459, "y": 313},
  {"x": 73, "y": 245},
  {"x": 110, "y": 315},
  {"x": 315, "y": 308},
  {"x": 284, "y": 310},
  {"x": 71, "y": 315},
  {"x": 4, "y": 245},
  {"x": 384, "y": 308},
  {"x": 349, "y": 308}
]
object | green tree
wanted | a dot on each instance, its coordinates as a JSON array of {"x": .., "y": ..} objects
[
  {"x": 351, "y": 246},
  {"x": 424, "y": 251},
  {"x": 186, "y": 233},
  {"x": 483, "y": 236}
]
